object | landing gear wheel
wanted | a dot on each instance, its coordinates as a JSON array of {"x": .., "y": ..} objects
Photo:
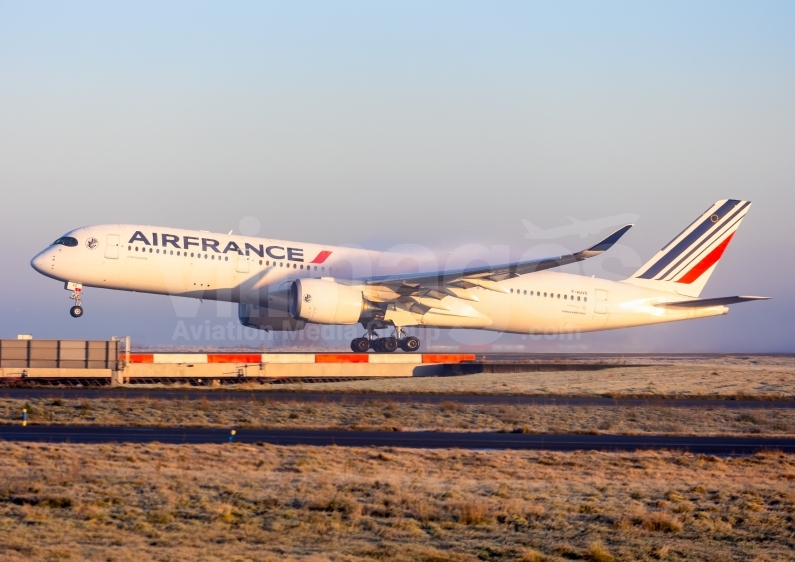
[
  {"x": 409, "y": 344},
  {"x": 389, "y": 344},
  {"x": 360, "y": 345},
  {"x": 376, "y": 344},
  {"x": 77, "y": 291}
]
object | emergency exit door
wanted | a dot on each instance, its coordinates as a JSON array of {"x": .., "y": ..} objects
[
  {"x": 112, "y": 247},
  {"x": 601, "y": 302},
  {"x": 243, "y": 264}
]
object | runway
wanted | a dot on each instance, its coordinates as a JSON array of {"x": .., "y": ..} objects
[
  {"x": 357, "y": 398},
  {"x": 420, "y": 439}
]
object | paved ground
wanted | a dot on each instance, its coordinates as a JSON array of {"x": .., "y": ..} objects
[
  {"x": 566, "y": 442},
  {"x": 340, "y": 397}
]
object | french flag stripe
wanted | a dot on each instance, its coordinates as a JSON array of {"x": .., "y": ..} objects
[
  {"x": 321, "y": 257},
  {"x": 710, "y": 260}
]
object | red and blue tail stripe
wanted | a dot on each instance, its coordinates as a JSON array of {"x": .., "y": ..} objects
[{"x": 698, "y": 248}]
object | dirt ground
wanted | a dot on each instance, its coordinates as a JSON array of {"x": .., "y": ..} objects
[
  {"x": 739, "y": 376},
  {"x": 386, "y": 415},
  {"x": 243, "y": 502}
]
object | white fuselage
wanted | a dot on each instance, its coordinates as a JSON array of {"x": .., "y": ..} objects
[{"x": 259, "y": 271}]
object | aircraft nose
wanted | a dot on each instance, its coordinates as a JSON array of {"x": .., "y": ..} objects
[{"x": 39, "y": 261}]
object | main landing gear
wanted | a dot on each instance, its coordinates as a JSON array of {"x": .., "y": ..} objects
[
  {"x": 77, "y": 290},
  {"x": 387, "y": 344}
]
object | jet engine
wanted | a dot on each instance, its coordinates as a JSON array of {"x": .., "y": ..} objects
[
  {"x": 268, "y": 319},
  {"x": 322, "y": 301}
]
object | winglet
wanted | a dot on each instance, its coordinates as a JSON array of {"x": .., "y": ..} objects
[{"x": 605, "y": 244}]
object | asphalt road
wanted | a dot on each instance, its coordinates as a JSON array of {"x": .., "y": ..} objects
[
  {"x": 220, "y": 394},
  {"x": 420, "y": 439}
]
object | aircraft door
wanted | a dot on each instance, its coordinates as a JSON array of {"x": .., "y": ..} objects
[
  {"x": 243, "y": 264},
  {"x": 601, "y": 302},
  {"x": 112, "y": 247}
]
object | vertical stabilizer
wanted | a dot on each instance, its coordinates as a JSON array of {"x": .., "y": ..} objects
[{"x": 684, "y": 265}]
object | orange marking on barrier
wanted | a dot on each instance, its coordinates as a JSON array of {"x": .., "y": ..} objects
[
  {"x": 447, "y": 357},
  {"x": 234, "y": 358},
  {"x": 341, "y": 358},
  {"x": 141, "y": 357}
]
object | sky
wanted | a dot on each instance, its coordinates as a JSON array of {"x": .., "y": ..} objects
[{"x": 382, "y": 123}]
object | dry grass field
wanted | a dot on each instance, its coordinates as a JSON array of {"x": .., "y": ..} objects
[
  {"x": 752, "y": 376},
  {"x": 243, "y": 502},
  {"x": 377, "y": 414}
]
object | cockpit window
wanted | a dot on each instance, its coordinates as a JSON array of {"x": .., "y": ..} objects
[{"x": 66, "y": 241}]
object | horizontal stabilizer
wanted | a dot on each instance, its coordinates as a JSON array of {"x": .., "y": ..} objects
[{"x": 706, "y": 303}]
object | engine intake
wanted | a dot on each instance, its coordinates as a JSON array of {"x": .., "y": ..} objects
[{"x": 326, "y": 302}]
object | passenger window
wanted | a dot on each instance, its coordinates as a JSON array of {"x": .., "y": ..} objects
[
  {"x": 260, "y": 262},
  {"x": 129, "y": 248},
  {"x": 545, "y": 294},
  {"x": 585, "y": 299},
  {"x": 226, "y": 258}
]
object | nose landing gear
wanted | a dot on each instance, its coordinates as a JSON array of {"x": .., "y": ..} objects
[
  {"x": 387, "y": 344},
  {"x": 77, "y": 290}
]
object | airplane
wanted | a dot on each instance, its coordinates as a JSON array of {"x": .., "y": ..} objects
[
  {"x": 583, "y": 228},
  {"x": 283, "y": 285}
]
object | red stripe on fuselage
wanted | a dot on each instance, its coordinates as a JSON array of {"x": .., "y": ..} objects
[
  {"x": 321, "y": 257},
  {"x": 709, "y": 260}
]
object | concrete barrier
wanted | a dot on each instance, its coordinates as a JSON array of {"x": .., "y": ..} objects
[{"x": 154, "y": 367}]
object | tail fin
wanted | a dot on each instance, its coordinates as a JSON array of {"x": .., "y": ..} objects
[{"x": 684, "y": 265}]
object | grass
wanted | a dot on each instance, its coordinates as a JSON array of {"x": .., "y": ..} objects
[
  {"x": 388, "y": 415},
  {"x": 732, "y": 376},
  {"x": 243, "y": 502}
]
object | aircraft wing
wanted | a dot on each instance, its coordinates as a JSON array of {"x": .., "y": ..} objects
[{"x": 487, "y": 276}]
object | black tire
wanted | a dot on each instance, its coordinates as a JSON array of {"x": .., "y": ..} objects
[
  {"x": 360, "y": 345},
  {"x": 376, "y": 344},
  {"x": 76, "y": 311},
  {"x": 410, "y": 344},
  {"x": 389, "y": 345}
]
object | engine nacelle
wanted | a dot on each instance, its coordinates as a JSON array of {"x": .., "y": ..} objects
[
  {"x": 264, "y": 318},
  {"x": 326, "y": 302}
]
